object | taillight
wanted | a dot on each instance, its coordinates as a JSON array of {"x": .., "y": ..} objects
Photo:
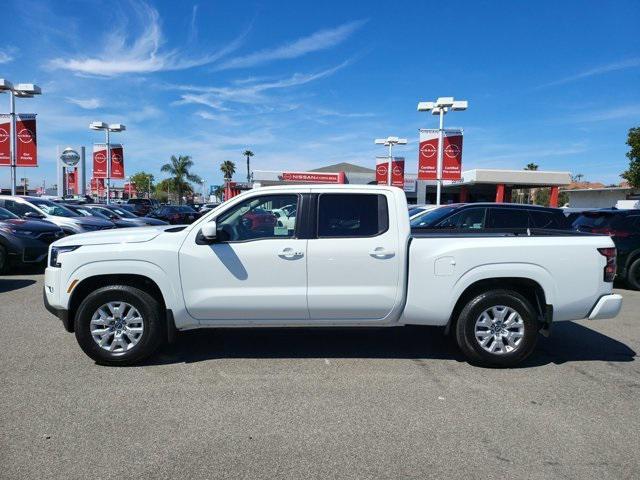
[{"x": 610, "y": 267}]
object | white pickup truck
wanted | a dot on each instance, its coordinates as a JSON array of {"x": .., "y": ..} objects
[{"x": 349, "y": 259}]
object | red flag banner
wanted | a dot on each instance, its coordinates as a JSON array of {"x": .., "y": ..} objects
[
  {"x": 99, "y": 161},
  {"x": 397, "y": 171},
  {"x": 97, "y": 186},
  {"x": 26, "y": 141},
  {"x": 428, "y": 155},
  {"x": 451, "y": 158},
  {"x": 117, "y": 162},
  {"x": 72, "y": 181},
  {"x": 5, "y": 140}
]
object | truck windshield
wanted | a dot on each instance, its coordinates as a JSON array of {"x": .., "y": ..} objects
[{"x": 430, "y": 217}]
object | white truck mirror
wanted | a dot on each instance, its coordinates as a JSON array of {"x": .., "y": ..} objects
[{"x": 210, "y": 230}]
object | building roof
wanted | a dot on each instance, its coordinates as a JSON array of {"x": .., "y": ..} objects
[{"x": 344, "y": 167}]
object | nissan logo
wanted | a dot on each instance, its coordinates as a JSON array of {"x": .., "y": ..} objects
[{"x": 25, "y": 135}]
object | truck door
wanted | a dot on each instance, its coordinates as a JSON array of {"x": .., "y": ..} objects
[
  {"x": 255, "y": 270},
  {"x": 353, "y": 264}
]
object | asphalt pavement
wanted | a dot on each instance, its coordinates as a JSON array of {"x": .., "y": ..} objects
[{"x": 353, "y": 403}]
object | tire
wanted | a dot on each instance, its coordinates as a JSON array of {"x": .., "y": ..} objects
[
  {"x": 491, "y": 312},
  {"x": 633, "y": 275},
  {"x": 146, "y": 319},
  {"x": 4, "y": 260}
]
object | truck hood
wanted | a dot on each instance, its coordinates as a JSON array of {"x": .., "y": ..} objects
[{"x": 113, "y": 236}]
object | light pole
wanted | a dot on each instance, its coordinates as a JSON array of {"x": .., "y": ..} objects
[
  {"x": 108, "y": 128},
  {"x": 390, "y": 142},
  {"x": 20, "y": 90},
  {"x": 440, "y": 107}
]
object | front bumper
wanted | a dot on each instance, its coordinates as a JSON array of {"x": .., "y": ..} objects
[
  {"x": 608, "y": 306},
  {"x": 61, "y": 313}
]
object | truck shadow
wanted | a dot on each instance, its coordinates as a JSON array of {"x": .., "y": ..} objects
[
  {"x": 569, "y": 342},
  {"x": 10, "y": 284}
]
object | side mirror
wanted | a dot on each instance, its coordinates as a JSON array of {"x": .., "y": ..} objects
[
  {"x": 33, "y": 215},
  {"x": 210, "y": 230}
]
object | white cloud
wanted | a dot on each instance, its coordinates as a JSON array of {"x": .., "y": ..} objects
[
  {"x": 600, "y": 70},
  {"x": 143, "y": 54},
  {"x": 5, "y": 56},
  {"x": 603, "y": 114},
  {"x": 86, "y": 103},
  {"x": 320, "y": 40}
]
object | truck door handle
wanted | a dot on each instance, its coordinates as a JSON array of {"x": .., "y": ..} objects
[
  {"x": 381, "y": 252},
  {"x": 289, "y": 252}
]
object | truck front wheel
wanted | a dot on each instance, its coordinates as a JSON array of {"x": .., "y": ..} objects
[
  {"x": 119, "y": 325},
  {"x": 497, "y": 328}
]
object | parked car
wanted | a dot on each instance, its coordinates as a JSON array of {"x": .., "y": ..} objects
[
  {"x": 623, "y": 226},
  {"x": 482, "y": 216},
  {"x": 351, "y": 261},
  {"x": 125, "y": 217},
  {"x": 143, "y": 205},
  {"x": 259, "y": 219},
  {"x": 24, "y": 241},
  {"x": 207, "y": 207},
  {"x": 38, "y": 208},
  {"x": 415, "y": 210},
  {"x": 286, "y": 216},
  {"x": 175, "y": 214}
]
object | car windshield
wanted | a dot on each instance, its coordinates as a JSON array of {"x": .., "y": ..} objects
[
  {"x": 7, "y": 215},
  {"x": 54, "y": 209},
  {"x": 103, "y": 212},
  {"x": 185, "y": 209},
  {"x": 430, "y": 217},
  {"x": 122, "y": 212}
]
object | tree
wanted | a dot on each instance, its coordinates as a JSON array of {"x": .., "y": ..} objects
[
  {"x": 577, "y": 177},
  {"x": 143, "y": 183},
  {"x": 632, "y": 174},
  {"x": 179, "y": 168},
  {"x": 166, "y": 190},
  {"x": 228, "y": 168},
  {"x": 248, "y": 154},
  {"x": 531, "y": 166}
]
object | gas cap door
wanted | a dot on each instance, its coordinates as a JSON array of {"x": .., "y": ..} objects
[{"x": 444, "y": 266}]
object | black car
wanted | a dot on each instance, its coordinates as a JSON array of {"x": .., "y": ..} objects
[
  {"x": 142, "y": 206},
  {"x": 24, "y": 241},
  {"x": 623, "y": 226},
  {"x": 124, "y": 218},
  {"x": 175, "y": 214},
  {"x": 491, "y": 216}
]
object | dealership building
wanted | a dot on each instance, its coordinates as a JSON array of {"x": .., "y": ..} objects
[{"x": 476, "y": 185}]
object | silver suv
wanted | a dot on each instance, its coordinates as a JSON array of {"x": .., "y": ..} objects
[{"x": 68, "y": 221}]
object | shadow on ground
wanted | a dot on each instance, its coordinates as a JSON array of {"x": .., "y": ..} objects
[
  {"x": 569, "y": 342},
  {"x": 8, "y": 284}
]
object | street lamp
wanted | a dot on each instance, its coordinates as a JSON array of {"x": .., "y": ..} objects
[
  {"x": 440, "y": 107},
  {"x": 108, "y": 128},
  {"x": 20, "y": 90},
  {"x": 390, "y": 142}
]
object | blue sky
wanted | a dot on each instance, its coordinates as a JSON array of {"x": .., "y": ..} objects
[{"x": 306, "y": 84}]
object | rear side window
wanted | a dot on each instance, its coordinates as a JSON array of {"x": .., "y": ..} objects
[
  {"x": 467, "y": 219},
  {"x": 546, "y": 219},
  {"x": 352, "y": 215},
  {"x": 508, "y": 218}
]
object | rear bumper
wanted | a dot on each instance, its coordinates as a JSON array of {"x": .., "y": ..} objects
[{"x": 608, "y": 306}]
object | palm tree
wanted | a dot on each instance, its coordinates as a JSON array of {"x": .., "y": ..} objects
[
  {"x": 228, "y": 168},
  {"x": 248, "y": 154},
  {"x": 531, "y": 166},
  {"x": 179, "y": 168}
]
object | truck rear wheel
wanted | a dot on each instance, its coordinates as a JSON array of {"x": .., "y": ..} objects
[
  {"x": 497, "y": 328},
  {"x": 633, "y": 275},
  {"x": 119, "y": 325}
]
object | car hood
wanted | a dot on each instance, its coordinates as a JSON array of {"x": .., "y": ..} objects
[
  {"x": 113, "y": 236},
  {"x": 80, "y": 220},
  {"x": 30, "y": 225}
]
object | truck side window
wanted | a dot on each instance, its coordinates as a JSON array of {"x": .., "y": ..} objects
[
  {"x": 266, "y": 216},
  {"x": 352, "y": 215}
]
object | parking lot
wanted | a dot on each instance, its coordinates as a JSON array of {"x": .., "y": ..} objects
[{"x": 393, "y": 403}]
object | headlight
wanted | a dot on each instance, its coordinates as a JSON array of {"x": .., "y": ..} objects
[
  {"x": 14, "y": 231},
  {"x": 55, "y": 254}
]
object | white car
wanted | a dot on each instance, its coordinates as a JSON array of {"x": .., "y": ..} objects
[
  {"x": 286, "y": 216},
  {"x": 351, "y": 261}
]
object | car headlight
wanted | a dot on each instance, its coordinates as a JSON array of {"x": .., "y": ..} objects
[
  {"x": 55, "y": 254},
  {"x": 19, "y": 233}
]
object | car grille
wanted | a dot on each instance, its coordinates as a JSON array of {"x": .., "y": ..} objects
[
  {"x": 31, "y": 254},
  {"x": 49, "y": 237}
]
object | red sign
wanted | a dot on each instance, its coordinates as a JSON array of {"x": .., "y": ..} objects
[
  {"x": 130, "y": 188},
  {"x": 100, "y": 164},
  {"x": 451, "y": 158},
  {"x": 72, "y": 182},
  {"x": 26, "y": 141},
  {"x": 117, "y": 161},
  {"x": 97, "y": 186},
  {"x": 5, "y": 140},
  {"x": 313, "y": 177},
  {"x": 397, "y": 171}
]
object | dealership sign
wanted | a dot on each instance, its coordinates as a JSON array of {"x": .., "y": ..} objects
[
  {"x": 26, "y": 140},
  {"x": 100, "y": 164},
  {"x": 313, "y": 177},
  {"x": 97, "y": 186},
  {"x": 397, "y": 171},
  {"x": 451, "y": 158}
]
